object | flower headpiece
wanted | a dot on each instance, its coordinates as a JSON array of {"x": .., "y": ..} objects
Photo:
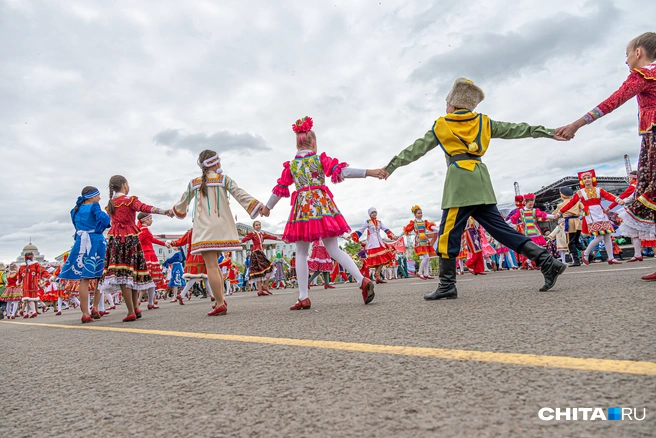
[
  {"x": 519, "y": 200},
  {"x": 529, "y": 197},
  {"x": 415, "y": 208},
  {"x": 211, "y": 161},
  {"x": 590, "y": 172},
  {"x": 303, "y": 125}
]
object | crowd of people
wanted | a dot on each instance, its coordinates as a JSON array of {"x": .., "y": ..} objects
[{"x": 113, "y": 253}]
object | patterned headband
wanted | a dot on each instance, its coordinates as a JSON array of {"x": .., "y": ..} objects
[
  {"x": 91, "y": 194},
  {"x": 211, "y": 161}
]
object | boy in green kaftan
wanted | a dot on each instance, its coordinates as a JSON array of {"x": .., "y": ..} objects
[{"x": 464, "y": 137}]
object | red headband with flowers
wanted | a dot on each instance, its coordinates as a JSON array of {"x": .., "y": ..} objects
[{"x": 302, "y": 125}]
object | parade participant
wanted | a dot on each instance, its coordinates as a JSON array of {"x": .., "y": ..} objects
[
  {"x": 260, "y": 269},
  {"x": 145, "y": 220},
  {"x": 175, "y": 269},
  {"x": 639, "y": 217},
  {"x": 225, "y": 265},
  {"x": 475, "y": 262},
  {"x": 527, "y": 217},
  {"x": 29, "y": 277},
  {"x": 464, "y": 136},
  {"x": 3, "y": 284},
  {"x": 194, "y": 267},
  {"x": 279, "y": 276},
  {"x": 292, "y": 268},
  {"x": 314, "y": 214},
  {"x": 214, "y": 223},
  {"x": 629, "y": 196},
  {"x": 572, "y": 224},
  {"x": 320, "y": 263},
  {"x": 12, "y": 294},
  {"x": 488, "y": 250},
  {"x": 421, "y": 229},
  {"x": 596, "y": 222},
  {"x": 125, "y": 264},
  {"x": 560, "y": 238},
  {"x": 378, "y": 253}
]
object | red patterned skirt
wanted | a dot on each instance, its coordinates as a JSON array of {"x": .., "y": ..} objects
[
  {"x": 154, "y": 268},
  {"x": 125, "y": 265},
  {"x": 195, "y": 267},
  {"x": 261, "y": 267},
  {"x": 421, "y": 250},
  {"x": 378, "y": 257},
  {"x": 320, "y": 259}
]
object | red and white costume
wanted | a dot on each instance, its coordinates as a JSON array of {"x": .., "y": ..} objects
[
  {"x": 29, "y": 276},
  {"x": 152, "y": 262},
  {"x": 378, "y": 253},
  {"x": 194, "y": 264},
  {"x": 595, "y": 221}
]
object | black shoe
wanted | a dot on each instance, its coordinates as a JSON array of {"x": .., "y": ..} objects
[
  {"x": 550, "y": 267},
  {"x": 447, "y": 288}
]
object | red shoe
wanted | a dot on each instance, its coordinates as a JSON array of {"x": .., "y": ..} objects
[
  {"x": 649, "y": 277},
  {"x": 33, "y": 315},
  {"x": 327, "y": 286},
  {"x": 174, "y": 300},
  {"x": 103, "y": 313},
  {"x": 111, "y": 308},
  {"x": 137, "y": 312},
  {"x": 585, "y": 259},
  {"x": 95, "y": 314},
  {"x": 86, "y": 319},
  {"x": 614, "y": 262},
  {"x": 262, "y": 294},
  {"x": 58, "y": 313},
  {"x": 367, "y": 289},
  {"x": 428, "y": 277},
  {"x": 130, "y": 317},
  {"x": 219, "y": 310},
  {"x": 380, "y": 281},
  {"x": 155, "y": 303},
  {"x": 421, "y": 277},
  {"x": 301, "y": 304},
  {"x": 152, "y": 306},
  {"x": 212, "y": 299},
  {"x": 179, "y": 298},
  {"x": 635, "y": 259}
]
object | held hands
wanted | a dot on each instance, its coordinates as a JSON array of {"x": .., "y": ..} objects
[
  {"x": 567, "y": 132},
  {"x": 378, "y": 173},
  {"x": 265, "y": 211},
  {"x": 168, "y": 245},
  {"x": 169, "y": 213}
]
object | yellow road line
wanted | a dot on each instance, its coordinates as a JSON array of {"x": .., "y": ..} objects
[{"x": 531, "y": 360}]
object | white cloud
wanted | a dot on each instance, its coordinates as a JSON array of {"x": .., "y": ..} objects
[{"x": 91, "y": 89}]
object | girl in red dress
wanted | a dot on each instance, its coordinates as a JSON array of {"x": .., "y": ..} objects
[
  {"x": 147, "y": 240},
  {"x": 125, "y": 263},
  {"x": 639, "y": 217}
]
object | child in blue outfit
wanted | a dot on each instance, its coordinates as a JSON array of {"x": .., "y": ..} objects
[
  {"x": 176, "y": 264},
  {"x": 87, "y": 258}
]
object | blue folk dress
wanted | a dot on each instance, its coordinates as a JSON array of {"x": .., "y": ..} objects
[
  {"x": 176, "y": 263},
  {"x": 87, "y": 257}
]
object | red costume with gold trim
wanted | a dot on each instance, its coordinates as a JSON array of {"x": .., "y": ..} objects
[
  {"x": 195, "y": 264},
  {"x": 152, "y": 262},
  {"x": 29, "y": 276}
]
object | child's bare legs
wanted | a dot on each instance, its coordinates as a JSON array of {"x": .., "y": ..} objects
[
  {"x": 128, "y": 297},
  {"x": 84, "y": 296}
]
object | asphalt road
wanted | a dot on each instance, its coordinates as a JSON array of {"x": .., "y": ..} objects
[{"x": 192, "y": 378}]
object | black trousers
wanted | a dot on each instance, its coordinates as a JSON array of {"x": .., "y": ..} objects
[{"x": 455, "y": 219}]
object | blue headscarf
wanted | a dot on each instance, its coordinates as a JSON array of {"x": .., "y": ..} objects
[{"x": 82, "y": 198}]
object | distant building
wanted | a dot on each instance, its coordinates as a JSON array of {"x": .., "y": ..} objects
[{"x": 33, "y": 249}]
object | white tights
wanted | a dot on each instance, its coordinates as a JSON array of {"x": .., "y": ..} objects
[
  {"x": 637, "y": 247},
  {"x": 424, "y": 266},
  {"x": 12, "y": 307},
  {"x": 608, "y": 243},
  {"x": 302, "y": 249},
  {"x": 187, "y": 289}
]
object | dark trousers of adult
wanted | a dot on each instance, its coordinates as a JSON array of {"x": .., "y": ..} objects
[
  {"x": 575, "y": 245},
  {"x": 455, "y": 219}
]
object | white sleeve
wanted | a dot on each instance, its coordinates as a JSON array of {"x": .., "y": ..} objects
[
  {"x": 273, "y": 200},
  {"x": 349, "y": 172}
]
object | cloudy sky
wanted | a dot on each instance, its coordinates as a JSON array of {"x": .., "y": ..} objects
[{"x": 89, "y": 89}]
